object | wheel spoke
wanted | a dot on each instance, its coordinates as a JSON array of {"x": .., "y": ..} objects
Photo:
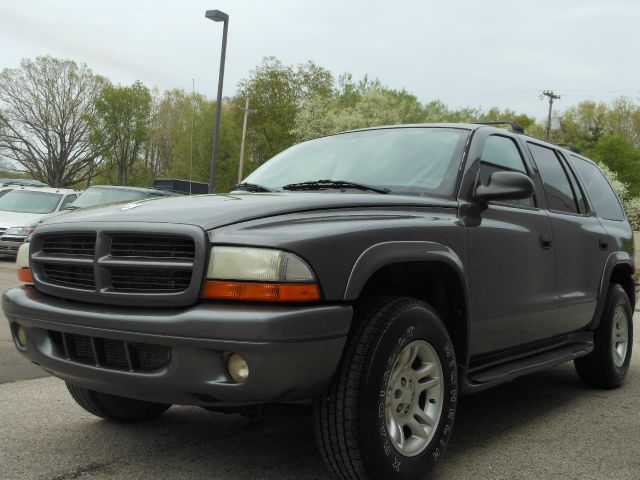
[
  {"x": 424, "y": 418},
  {"x": 425, "y": 370},
  {"x": 426, "y": 384},
  {"x": 395, "y": 432},
  {"x": 418, "y": 429}
]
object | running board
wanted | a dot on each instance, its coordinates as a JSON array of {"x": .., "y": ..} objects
[{"x": 487, "y": 377}]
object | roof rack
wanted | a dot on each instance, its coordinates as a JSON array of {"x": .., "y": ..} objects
[
  {"x": 570, "y": 147},
  {"x": 515, "y": 127}
]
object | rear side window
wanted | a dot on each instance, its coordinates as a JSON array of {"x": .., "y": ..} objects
[
  {"x": 500, "y": 154},
  {"x": 557, "y": 187},
  {"x": 603, "y": 198}
]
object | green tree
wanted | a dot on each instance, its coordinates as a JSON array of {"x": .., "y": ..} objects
[
  {"x": 278, "y": 92},
  {"x": 617, "y": 153},
  {"x": 44, "y": 105},
  {"x": 121, "y": 124}
]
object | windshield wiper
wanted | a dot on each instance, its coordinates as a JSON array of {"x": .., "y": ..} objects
[
  {"x": 251, "y": 187},
  {"x": 337, "y": 184}
]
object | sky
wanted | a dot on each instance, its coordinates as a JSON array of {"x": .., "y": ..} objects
[{"x": 465, "y": 52}]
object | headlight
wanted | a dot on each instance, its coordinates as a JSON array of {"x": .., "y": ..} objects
[
  {"x": 257, "y": 264},
  {"x": 259, "y": 274},
  {"x": 19, "y": 231},
  {"x": 22, "y": 262}
]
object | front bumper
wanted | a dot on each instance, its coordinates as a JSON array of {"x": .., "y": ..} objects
[
  {"x": 292, "y": 351},
  {"x": 10, "y": 247}
]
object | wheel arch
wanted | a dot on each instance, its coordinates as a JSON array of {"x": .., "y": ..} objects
[
  {"x": 425, "y": 270},
  {"x": 618, "y": 269}
]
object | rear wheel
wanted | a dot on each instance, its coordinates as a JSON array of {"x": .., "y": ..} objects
[
  {"x": 114, "y": 408},
  {"x": 607, "y": 365},
  {"x": 390, "y": 410}
]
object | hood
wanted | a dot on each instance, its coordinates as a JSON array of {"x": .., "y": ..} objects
[
  {"x": 18, "y": 219},
  {"x": 212, "y": 211}
]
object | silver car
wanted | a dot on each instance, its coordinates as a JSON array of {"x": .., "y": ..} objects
[{"x": 23, "y": 206}]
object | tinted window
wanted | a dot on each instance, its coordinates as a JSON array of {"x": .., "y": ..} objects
[
  {"x": 500, "y": 154},
  {"x": 604, "y": 200},
  {"x": 560, "y": 196}
]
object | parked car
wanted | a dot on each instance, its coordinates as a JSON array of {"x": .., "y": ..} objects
[
  {"x": 25, "y": 182},
  {"x": 376, "y": 274},
  {"x": 23, "y": 206},
  {"x": 100, "y": 195}
]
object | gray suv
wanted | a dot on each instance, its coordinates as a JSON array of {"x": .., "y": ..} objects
[{"x": 374, "y": 275}]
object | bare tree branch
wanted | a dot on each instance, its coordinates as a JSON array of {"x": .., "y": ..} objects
[{"x": 44, "y": 107}]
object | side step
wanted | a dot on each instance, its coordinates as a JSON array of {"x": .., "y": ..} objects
[{"x": 486, "y": 377}]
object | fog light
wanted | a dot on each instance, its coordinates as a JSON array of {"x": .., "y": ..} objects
[
  {"x": 22, "y": 336},
  {"x": 238, "y": 368}
]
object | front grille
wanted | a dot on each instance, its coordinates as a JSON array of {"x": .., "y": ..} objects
[
  {"x": 74, "y": 276},
  {"x": 155, "y": 265},
  {"x": 152, "y": 247},
  {"x": 109, "y": 353},
  {"x": 75, "y": 245},
  {"x": 2, "y": 230},
  {"x": 143, "y": 280}
]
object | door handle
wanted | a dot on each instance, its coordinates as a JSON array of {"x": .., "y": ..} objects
[
  {"x": 545, "y": 241},
  {"x": 603, "y": 243}
]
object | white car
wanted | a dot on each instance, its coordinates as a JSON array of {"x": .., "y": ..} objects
[{"x": 25, "y": 205}]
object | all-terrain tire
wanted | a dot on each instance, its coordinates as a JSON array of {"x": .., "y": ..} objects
[
  {"x": 600, "y": 368},
  {"x": 115, "y": 408},
  {"x": 351, "y": 419}
]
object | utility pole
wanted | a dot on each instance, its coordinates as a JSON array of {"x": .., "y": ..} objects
[
  {"x": 552, "y": 96},
  {"x": 193, "y": 95},
  {"x": 244, "y": 137}
]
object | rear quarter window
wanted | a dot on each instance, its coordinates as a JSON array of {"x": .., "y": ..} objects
[{"x": 604, "y": 200}]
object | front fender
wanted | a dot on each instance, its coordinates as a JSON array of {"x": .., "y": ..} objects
[{"x": 387, "y": 253}]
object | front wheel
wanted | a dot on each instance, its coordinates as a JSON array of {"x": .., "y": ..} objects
[
  {"x": 115, "y": 408},
  {"x": 607, "y": 365},
  {"x": 390, "y": 410}
]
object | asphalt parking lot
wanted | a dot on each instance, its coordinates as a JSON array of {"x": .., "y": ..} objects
[{"x": 545, "y": 426}]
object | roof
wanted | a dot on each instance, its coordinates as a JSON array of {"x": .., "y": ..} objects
[
  {"x": 44, "y": 189},
  {"x": 131, "y": 189},
  {"x": 463, "y": 126}
]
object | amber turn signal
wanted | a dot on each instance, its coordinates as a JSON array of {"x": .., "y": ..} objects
[
  {"x": 24, "y": 275},
  {"x": 262, "y": 292}
]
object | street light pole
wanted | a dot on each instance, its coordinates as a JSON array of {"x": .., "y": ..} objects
[{"x": 218, "y": 16}]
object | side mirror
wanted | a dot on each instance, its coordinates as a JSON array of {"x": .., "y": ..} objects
[{"x": 505, "y": 186}]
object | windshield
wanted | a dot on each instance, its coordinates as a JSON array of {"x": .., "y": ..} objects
[
  {"x": 93, "y": 197},
  {"x": 410, "y": 161},
  {"x": 28, "y": 201}
]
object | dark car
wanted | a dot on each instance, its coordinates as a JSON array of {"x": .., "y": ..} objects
[
  {"x": 375, "y": 274},
  {"x": 99, "y": 195}
]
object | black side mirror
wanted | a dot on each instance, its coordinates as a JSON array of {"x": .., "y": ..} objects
[{"x": 505, "y": 186}]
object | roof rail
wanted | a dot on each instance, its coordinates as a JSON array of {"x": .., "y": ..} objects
[
  {"x": 515, "y": 127},
  {"x": 569, "y": 147}
]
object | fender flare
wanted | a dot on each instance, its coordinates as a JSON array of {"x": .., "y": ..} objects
[
  {"x": 615, "y": 259},
  {"x": 382, "y": 254}
]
